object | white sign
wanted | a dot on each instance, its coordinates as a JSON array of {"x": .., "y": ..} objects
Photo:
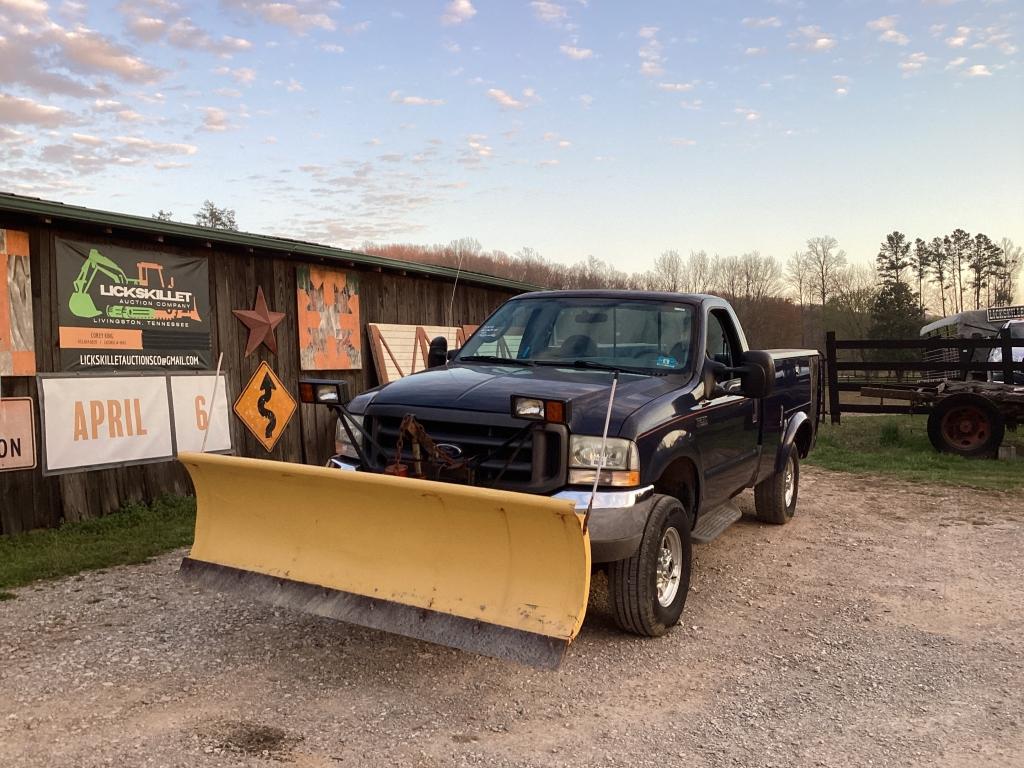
[
  {"x": 93, "y": 421},
  {"x": 198, "y": 413},
  {"x": 17, "y": 434}
]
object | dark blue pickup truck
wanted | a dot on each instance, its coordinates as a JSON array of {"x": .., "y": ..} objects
[{"x": 655, "y": 396}]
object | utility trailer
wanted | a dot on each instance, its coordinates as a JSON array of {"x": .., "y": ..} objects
[{"x": 968, "y": 418}]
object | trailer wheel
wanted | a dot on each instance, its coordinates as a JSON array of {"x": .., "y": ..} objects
[
  {"x": 967, "y": 425},
  {"x": 647, "y": 592},
  {"x": 775, "y": 496}
]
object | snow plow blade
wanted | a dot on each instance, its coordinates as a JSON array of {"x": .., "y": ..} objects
[{"x": 493, "y": 572}]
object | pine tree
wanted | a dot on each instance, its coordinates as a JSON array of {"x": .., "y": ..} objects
[
  {"x": 893, "y": 258},
  {"x": 920, "y": 261},
  {"x": 938, "y": 262}
]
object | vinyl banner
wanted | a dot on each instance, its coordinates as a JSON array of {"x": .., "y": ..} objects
[
  {"x": 199, "y": 411},
  {"x": 121, "y": 310},
  {"x": 94, "y": 421}
]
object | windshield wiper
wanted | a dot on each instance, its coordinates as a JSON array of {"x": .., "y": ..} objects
[
  {"x": 492, "y": 359},
  {"x": 593, "y": 364}
]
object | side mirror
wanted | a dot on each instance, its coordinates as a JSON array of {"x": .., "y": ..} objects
[
  {"x": 438, "y": 352},
  {"x": 757, "y": 374},
  {"x": 709, "y": 376}
]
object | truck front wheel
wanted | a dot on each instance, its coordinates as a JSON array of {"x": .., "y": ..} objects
[{"x": 648, "y": 590}]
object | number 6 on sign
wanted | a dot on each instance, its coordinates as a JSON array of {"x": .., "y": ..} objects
[{"x": 195, "y": 416}]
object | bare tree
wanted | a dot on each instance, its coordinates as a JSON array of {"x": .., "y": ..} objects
[
  {"x": 700, "y": 272},
  {"x": 163, "y": 215},
  {"x": 826, "y": 260},
  {"x": 668, "y": 271},
  {"x": 1006, "y": 280}
]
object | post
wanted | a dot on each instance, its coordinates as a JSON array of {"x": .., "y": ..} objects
[
  {"x": 1007, "y": 360},
  {"x": 834, "y": 408}
]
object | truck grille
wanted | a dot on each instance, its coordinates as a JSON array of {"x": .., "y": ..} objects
[{"x": 535, "y": 462}]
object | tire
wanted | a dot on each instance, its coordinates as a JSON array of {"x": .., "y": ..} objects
[
  {"x": 966, "y": 425},
  {"x": 633, "y": 588},
  {"x": 775, "y": 496}
]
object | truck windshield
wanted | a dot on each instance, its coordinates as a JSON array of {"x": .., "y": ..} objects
[{"x": 655, "y": 335}]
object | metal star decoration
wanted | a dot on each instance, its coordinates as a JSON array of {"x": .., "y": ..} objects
[{"x": 261, "y": 323}]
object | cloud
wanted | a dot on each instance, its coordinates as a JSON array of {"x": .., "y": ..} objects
[
  {"x": 585, "y": 100},
  {"x": 676, "y": 87},
  {"x": 978, "y": 70},
  {"x": 18, "y": 111},
  {"x": 683, "y": 142},
  {"x": 913, "y": 63},
  {"x": 457, "y": 11},
  {"x": 154, "y": 20},
  {"x": 148, "y": 146},
  {"x": 577, "y": 54},
  {"x": 883, "y": 23},
  {"x": 505, "y": 99},
  {"x": 93, "y": 52},
  {"x": 331, "y": 48},
  {"x": 755, "y": 51},
  {"x": 841, "y": 91},
  {"x": 651, "y": 58},
  {"x": 761, "y": 23},
  {"x": 547, "y": 163},
  {"x": 551, "y": 13},
  {"x": 31, "y": 10},
  {"x": 894, "y": 36},
  {"x": 215, "y": 119},
  {"x": 750, "y": 115},
  {"x": 92, "y": 141},
  {"x": 816, "y": 40},
  {"x": 416, "y": 101},
  {"x": 241, "y": 75},
  {"x": 299, "y": 17},
  {"x": 957, "y": 62},
  {"x": 21, "y": 63},
  {"x": 959, "y": 40}
]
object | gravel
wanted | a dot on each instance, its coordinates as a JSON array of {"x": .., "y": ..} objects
[{"x": 882, "y": 626}]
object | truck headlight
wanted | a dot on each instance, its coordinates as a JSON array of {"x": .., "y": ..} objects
[
  {"x": 342, "y": 445},
  {"x": 621, "y": 466}
]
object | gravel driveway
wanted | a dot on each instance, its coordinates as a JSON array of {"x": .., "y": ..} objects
[{"x": 881, "y": 627}]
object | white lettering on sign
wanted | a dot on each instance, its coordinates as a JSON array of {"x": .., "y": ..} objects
[
  {"x": 93, "y": 421},
  {"x": 17, "y": 434},
  {"x": 196, "y": 411}
]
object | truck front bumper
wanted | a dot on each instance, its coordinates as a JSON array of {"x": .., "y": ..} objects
[{"x": 616, "y": 522}]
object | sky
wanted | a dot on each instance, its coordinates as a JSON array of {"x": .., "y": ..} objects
[{"x": 579, "y": 127}]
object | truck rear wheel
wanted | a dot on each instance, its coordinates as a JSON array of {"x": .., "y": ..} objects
[
  {"x": 775, "y": 496},
  {"x": 648, "y": 590}
]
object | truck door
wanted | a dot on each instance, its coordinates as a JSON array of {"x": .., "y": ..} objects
[{"x": 727, "y": 424}]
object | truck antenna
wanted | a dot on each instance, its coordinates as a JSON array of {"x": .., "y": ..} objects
[
  {"x": 451, "y": 302},
  {"x": 604, "y": 444}
]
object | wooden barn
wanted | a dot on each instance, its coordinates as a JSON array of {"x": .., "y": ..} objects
[{"x": 87, "y": 293}]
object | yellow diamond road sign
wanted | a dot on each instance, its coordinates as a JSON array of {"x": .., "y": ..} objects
[{"x": 265, "y": 406}]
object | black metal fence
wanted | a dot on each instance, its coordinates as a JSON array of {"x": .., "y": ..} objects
[{"x": 855, "y": 363}]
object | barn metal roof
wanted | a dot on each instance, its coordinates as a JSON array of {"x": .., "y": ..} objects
[{"x": 50, "y": 212}]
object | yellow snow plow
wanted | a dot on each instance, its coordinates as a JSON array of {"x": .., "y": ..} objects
[{"x": 498, "y": 573}]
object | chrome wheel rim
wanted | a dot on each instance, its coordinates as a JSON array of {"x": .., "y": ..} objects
[
  {"x": 670, "y": 566},
  {"x": 790, "y": 481}
]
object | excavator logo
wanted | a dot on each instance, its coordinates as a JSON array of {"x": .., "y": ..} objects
[{"x": 82, "y": 305}]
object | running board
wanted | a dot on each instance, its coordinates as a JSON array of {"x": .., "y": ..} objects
[{"x": 710, "y": 525}]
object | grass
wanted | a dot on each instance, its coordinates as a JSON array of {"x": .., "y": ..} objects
[
  {"x": 133, "y": 535},
  {"x": 898, "y": 446}
]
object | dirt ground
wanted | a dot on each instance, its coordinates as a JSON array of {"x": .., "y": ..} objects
[{"x": 883, "y": 626}]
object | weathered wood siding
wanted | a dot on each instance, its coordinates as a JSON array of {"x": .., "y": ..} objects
[{"x": 29, "y": 500}]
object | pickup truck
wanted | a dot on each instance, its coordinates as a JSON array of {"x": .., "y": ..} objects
[{"x": 656, "y": 392}]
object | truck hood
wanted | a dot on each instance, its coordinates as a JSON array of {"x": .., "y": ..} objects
[{"x": 488, "y": 388}]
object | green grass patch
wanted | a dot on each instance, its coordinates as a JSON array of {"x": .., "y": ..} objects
[
  {"x": 898, "y": 446},
  {"x": 133, "y": 535}
]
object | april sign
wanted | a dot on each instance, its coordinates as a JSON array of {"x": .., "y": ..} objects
[{"x": 126, "y": 310}]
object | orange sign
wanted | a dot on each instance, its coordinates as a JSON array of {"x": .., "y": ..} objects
[
  {"x": 265, "y": 407},
  {"x": 100, "y": 338},
  {"x": 17, "y": 339},
  {"x": 17, "y": 434}
]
